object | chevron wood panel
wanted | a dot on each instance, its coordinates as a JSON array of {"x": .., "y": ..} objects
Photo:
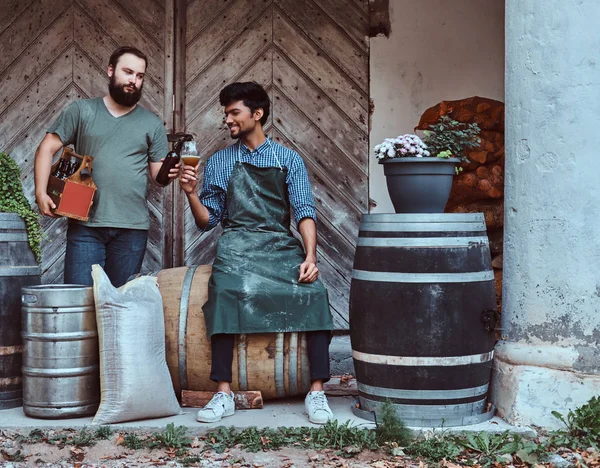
[
  {"x": 56, "y": 51},
  {"x": 312, "y": 57}
]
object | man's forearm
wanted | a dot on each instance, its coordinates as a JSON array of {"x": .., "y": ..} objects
[
  {"x": 308, "y": 231},
  {"x": 43, "y": 162},
  {"x": 199, "y": 211}
]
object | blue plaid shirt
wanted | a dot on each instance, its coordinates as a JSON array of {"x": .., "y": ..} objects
[{"x": 218, "y": 170}]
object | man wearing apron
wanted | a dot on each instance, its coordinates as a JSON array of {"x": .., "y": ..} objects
[{"x": 263, "y": 281}]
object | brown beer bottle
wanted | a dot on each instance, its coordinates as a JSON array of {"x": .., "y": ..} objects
[{"x": 169, "y": 163}]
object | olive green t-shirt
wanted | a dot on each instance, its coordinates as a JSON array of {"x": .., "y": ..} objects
[{"x": 121, "y": 148}]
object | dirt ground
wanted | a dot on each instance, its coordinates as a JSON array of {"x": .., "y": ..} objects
[{"x": 16, "y": 452}]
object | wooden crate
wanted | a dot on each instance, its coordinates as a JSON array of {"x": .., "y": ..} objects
[{"x": 74, "y": 195}]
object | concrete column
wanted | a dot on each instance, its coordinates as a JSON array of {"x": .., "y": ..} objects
[{"x": 550, "y": 358}]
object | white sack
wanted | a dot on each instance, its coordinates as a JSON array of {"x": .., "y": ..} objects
[{"x": 134, "y": 378}]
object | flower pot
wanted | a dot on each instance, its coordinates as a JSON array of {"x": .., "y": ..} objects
[{"x": 419, "y": 185}]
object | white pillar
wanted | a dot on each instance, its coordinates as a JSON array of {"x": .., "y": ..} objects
[{"x": 550, "y": 359}]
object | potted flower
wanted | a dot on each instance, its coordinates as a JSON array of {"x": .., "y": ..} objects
[{"x": 419, "y": 172}]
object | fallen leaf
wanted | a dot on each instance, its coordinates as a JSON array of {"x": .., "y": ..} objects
[
  {"x": 351, "y": 449},
  {"x": 345, "y": 379},
  {"x": 77, "y": 454},
  {"x": 379, "y": 464},
  {"x": 120, "y": 440},
  {"x": 447, "y": 464}
]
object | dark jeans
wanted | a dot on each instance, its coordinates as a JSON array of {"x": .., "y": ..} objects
[
  {"x": 317, "y": 347},
  {"x": 119, "y": 252}
]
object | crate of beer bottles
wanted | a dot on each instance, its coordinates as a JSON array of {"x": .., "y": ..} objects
[{"x": 71, "y": 185}]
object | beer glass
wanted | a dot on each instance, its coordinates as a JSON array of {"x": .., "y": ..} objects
[{"x": 189, "y": 153}]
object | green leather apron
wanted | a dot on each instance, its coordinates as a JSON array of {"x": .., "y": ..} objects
[{"x": 254, "y": 284}]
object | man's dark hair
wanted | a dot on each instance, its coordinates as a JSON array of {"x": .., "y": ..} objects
[
  {"x": 251, "y": 93},
  {"x": 117, "y": 54}
]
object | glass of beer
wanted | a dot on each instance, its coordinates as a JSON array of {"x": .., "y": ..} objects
[{"x": 189, "y": 153}]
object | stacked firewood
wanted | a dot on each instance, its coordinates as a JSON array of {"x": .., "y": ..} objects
[{"x": 480, "y": 185}]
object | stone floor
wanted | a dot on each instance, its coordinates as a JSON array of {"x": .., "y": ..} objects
[{"x": 287, "y": 412}]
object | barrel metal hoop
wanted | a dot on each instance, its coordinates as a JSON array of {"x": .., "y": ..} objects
[
  {"x": 438, "y": 242},
  {"x": 15, "y": 224},
  {"x": 6, "y": 381},
  {"x": 13, "y": 237},
  {"x": 423, "y": 217},
  {"x": 423, "y": 394},
  {"x": 64, "y": 372},
  {"x": 445, "y": 361},
  {"x": 293, "y": 364},
  {"x": 183, "y": 314},
  {"x": 429, "y": 411},
  {"x": 67, "y": 336},
  {"x": 394, "y": 277},
  {"x": 242, "y": 349},
  {"x": 60, "y": 405},
  {"x": 422, "y": 227},
  {"x": 436, "y": 422},
  {"x": 8, "y": 350},
  {"x": 62, "y": 310},
  {"x": 20, "y": 271}
]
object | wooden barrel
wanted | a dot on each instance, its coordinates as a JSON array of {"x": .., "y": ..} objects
[
  {"x": 18, "y": 268},
  {"x": 422, "y": 317},
  {"x": 274, "y": 363},
  {"x": 61, "y": 374}
]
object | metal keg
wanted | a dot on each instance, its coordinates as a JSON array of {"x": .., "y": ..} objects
[{"x": 60, "y": 351}]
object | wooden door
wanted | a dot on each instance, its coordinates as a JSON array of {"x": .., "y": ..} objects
[
  {"x": 57, "y": 51},
  {"x": 312, "y": 57}
]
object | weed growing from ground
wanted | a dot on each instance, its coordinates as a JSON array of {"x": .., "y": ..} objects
[
  {"x": 83, "y": 439},
  {"x": 583, "y": 425},
  {"x": 172, "y": 437},
  {"x": 489, "y": 447},
  {"x": 133, "y": 442},
  {"x": 434, "y": 448},
  {"x": 191, "y": 461},
  {"x": 37, "y": 435},
  {"x": 391, "y": 428},
  {"x": 331, "y": 435},
  {"x": 103, "y": 433}
]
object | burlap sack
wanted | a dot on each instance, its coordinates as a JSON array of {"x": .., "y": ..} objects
[{"x": 134, "y": 378}]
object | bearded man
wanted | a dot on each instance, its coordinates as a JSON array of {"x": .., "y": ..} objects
[{"x": 125, "y": 140}]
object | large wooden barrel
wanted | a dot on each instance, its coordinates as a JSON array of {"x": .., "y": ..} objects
[
  {"x": 422, "y": 312},
  {"x": 18, "y": 268},
  {"x": 61, "y": 374},
  {"x": 274, "y": 363}
]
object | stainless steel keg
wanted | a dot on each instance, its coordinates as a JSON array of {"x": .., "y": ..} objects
[{"x": 60, "y": 351}]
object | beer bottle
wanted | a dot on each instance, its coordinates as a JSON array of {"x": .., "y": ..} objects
[
  {"x": 61, "y": 169},
  {"x": 74, "y": 166},
  {"x": 169, "y": 163}
]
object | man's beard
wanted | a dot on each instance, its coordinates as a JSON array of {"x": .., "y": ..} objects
[
  {"x": 241, "y": 133},
  {"x": 122, "y": 97}
]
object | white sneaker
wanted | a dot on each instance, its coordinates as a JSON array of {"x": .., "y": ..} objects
[
  {"x": 220, "y": 406},
  {"x": 317, "y": 408}
]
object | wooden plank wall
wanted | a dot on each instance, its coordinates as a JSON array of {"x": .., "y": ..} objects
[
  {"x": 56, "y": 51},
  {"x": 312, "y": 57}
]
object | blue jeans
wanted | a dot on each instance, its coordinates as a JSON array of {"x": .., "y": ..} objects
[{"x": 119, "y": 251}]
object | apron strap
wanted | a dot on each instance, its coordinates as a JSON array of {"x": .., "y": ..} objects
[{"x": 239, "y": 151}]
